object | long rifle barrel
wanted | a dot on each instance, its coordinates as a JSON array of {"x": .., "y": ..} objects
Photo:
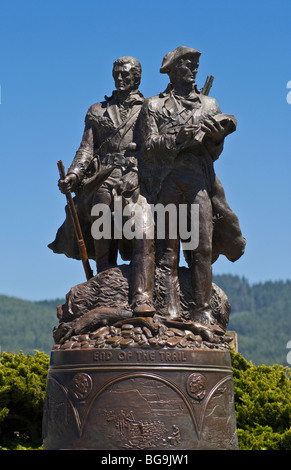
[
  {"x": 77, "y": 227},
  {"x": 207, "y": 85}
]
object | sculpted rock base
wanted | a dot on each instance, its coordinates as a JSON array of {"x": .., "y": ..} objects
[
  {"x": 140, "y": 399},
  {"x": 97, "y": 313}
]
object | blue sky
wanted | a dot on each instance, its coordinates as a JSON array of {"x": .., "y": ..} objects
[{"x": 56, "y": 60}]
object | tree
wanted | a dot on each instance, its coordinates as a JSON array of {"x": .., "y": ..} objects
[
  {"x": 263, "y": 405},
  {"x": 22, "y": 393}
]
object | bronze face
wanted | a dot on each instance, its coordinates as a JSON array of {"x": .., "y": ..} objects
[
  {"x": 124, "y": 78},
  {"x": 186, "y": 69}
]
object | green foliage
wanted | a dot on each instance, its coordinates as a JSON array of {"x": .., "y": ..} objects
[
  {"x": 238, "y": 290},
  {"x": 263, "y": 405},
  {"x": 22, "y": 393},
  {"x": 261, "y": 316},
  {"x": 27, "y": 326}
]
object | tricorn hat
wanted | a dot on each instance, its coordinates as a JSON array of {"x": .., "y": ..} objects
[{"x": 175, "y": 55}]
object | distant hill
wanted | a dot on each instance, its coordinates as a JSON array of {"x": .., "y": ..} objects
[
  {"x": 27, "y": 326},
  {"x": 260, "y": 314}
]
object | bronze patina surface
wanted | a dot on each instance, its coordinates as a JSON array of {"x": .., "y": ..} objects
[
  {"x": 140, "y": 399},
  {"x": 141, "y": 356}
]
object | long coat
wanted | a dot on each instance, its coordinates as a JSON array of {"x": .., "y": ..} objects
[
  {"x": 158, "y": 124},
  {"x": 109, "y": 129}
]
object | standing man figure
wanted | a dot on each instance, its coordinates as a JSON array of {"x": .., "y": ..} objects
[
  {"x": 105, "y": 165},
  {"x": 182, "y": 133}
]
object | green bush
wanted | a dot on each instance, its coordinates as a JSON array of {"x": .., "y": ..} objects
[
  {"x": 22, "y": 393},
  {"x": 263, "y": 405},
  {"x": 262, "y": 401}
]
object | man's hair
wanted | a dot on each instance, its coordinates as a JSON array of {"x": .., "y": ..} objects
[{"x": 135, "y": 67}]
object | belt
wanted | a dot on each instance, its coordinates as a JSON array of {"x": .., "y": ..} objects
[{"x": 118, "y": 159}]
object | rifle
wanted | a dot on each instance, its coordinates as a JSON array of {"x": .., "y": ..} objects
[
  {"x": 77, "y": 227},
  {"x": 207, "y": 85}
]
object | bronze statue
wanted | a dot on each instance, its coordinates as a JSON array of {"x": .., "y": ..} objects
[
  {"x": 182, "y": 133},
  {"x": 105, "y": 165},
  {"x": 154, "y": 152},
  {"x": 141, "y": 357}
]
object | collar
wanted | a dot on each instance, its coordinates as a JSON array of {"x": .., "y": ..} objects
[
  {"x": 193, "y": 95},
  {"x": 134, "y": 97}
]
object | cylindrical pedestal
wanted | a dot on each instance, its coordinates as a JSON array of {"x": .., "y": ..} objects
[{"x": 140, "y": 399}]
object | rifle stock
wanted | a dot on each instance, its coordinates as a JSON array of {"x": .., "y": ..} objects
[{"x": 77, "y": 227}]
